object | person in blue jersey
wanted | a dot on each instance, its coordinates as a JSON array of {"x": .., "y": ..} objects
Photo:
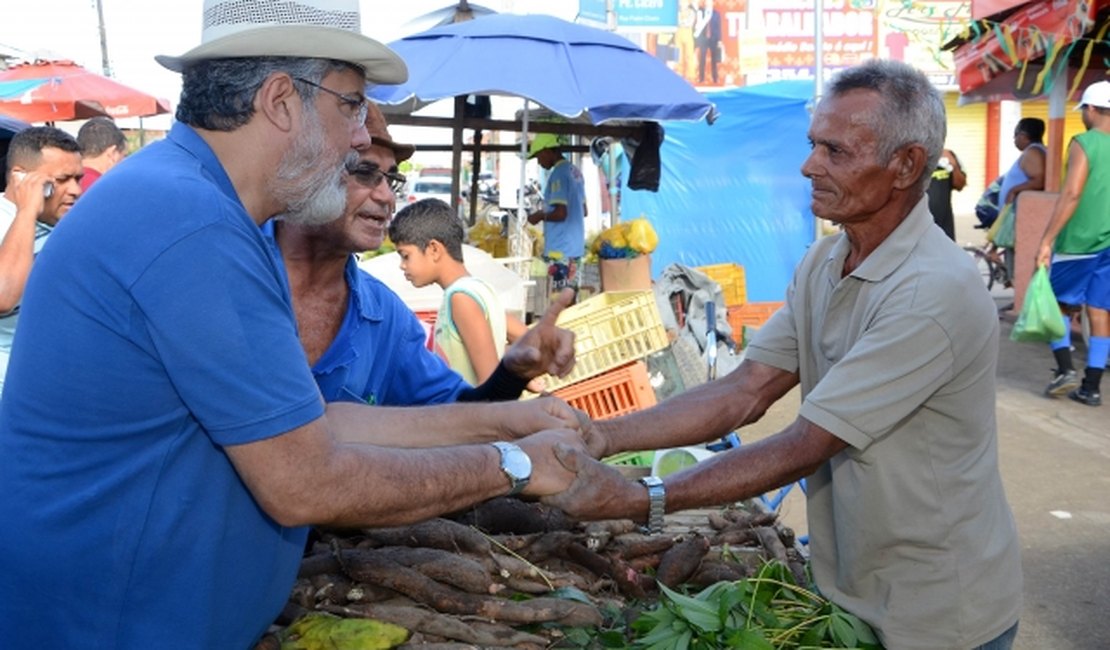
[{"x": 163, "y": 445}]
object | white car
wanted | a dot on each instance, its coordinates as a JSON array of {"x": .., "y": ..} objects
[{"x": 428, "y": 187}]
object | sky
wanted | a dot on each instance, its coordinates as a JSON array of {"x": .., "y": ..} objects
[{"x": 136, "y": 30}]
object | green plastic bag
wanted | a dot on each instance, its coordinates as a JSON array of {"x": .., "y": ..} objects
[
  {"x": 1001, "y": 233},
  {"x": 1040, "y": 318}
]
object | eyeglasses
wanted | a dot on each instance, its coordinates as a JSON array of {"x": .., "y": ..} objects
[
  {"x": 371, "y": 176},
  {"x": 355, "y": 107}
]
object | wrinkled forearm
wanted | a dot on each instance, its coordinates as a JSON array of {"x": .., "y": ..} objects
[
  {"x": 424, "y": 426},
  {"x": 704, "y": 413}
]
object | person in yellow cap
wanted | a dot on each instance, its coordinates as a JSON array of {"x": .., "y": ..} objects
[{"x": 564, "y": 213}]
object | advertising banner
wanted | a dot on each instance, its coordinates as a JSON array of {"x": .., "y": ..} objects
[{"x": 633, "y": 14}]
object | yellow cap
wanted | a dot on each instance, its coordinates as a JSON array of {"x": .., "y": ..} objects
[{"x": 543, "y": 141}]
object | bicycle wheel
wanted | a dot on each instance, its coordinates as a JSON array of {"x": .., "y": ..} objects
[{"x": 986, "y": 267}]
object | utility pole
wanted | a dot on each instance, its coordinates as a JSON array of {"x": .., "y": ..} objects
[{"x": 104, "y": 62}]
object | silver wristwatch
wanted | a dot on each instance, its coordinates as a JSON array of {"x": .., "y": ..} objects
[
  {"x": 657, "y": 497},
  {"x": 516, "y": 464}
]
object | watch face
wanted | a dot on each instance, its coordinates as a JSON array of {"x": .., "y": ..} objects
[{"x": 516, "y": 463}]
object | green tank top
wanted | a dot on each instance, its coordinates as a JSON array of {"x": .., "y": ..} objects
[
  {"x": 449, "y": 343},
  {"x": 1088, "y": 230}
]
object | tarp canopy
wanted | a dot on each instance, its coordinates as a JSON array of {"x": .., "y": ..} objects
[{"x": 734, "y": 192}]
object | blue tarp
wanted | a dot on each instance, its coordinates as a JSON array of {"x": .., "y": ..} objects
[{"x": 733, "y": 191}]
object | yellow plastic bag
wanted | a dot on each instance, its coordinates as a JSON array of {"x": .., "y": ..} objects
[{"x": 641, "y": 236}]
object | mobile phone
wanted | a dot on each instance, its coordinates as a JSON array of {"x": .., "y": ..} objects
[{"x": 47, "y": 187}]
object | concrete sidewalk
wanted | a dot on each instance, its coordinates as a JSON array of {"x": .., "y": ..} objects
[{"x": 1055, "y": 460}]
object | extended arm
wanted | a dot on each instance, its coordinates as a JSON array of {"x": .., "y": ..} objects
[
  {"x": 600, "y": 492},
  {"x": 446, "y": 424},
  {"x": 704, "y": 413},
  {"x": 305, "y": 477}
]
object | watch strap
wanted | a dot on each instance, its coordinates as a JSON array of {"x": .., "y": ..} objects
[{"x": 657, "y": 498}]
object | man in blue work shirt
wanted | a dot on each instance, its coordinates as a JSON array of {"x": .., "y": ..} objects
[{"x": 564, "y": 213}]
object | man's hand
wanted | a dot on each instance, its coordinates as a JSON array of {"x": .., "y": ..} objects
[
  {"x": 544, "y": 348},
  {"x": 1044, "y": 254},
  {"x": 549, "y": 475},
  {"x": 526, "y": 417},
  {"x": 28, "y": 192},
  {"x": 599, "y": 491}
]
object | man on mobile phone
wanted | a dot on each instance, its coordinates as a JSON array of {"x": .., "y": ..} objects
[{"x": 43, "y": 172}]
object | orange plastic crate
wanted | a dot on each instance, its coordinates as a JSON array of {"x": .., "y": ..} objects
[
  {"x": 617, "y": 392},
  {"x": 751, "y": 314}
]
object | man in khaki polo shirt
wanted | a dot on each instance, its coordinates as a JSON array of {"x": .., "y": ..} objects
[{"x": 894, "y": 341}]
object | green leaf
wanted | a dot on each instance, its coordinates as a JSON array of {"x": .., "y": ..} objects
[
  {"x": 612, "y": 639},
  {"x": 863, "y": 631},
  {"x": 699, "y": 614},
  {"x": 841, "y": 630},
  {"x": 571, "y": 593},
  {"x": 748, "y": 639}
]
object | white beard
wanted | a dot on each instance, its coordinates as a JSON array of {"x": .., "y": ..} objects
[{"x": 313, "y": 191}]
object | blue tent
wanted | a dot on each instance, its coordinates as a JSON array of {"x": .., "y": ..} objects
[{"x": 733, "y": 191}]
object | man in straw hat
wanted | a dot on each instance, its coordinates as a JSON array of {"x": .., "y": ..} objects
[
  {"x": 363, "y": 343},
  {"x": 164, "y": 447}
]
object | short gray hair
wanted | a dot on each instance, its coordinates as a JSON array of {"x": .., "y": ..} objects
[
  {"x": 218, "y": 94},
  {"x": 910, "y": 108}
]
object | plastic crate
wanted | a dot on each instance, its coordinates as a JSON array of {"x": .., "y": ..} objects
[
  {"x": 734, "y": 286},
  {"x": 611, "y": 394},
  {"x": 610, "y": 330},
  {"x": 751, "y": 315}
]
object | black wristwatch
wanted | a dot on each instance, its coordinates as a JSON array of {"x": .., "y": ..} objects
[
  {"x": 657, "y": 497},
  {"x": 516, "y": 464}
]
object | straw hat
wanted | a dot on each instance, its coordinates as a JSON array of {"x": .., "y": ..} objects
[
  {"x": 379, "y": 134},
  {"x": 311, "y": 29}
]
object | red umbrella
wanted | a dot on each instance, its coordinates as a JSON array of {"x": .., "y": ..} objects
[{"x": 70, "y": 92}]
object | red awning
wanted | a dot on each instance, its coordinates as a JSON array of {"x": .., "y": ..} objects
[
  {"x": 1043, "y": 31},
  {"x": 984, "y": 8}
]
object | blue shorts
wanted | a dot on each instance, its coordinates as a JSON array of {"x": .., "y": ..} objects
[{"x": 1082, "y": 279}]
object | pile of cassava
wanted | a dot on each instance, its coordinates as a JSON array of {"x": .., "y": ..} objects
[{"x": 513, "y": 574}]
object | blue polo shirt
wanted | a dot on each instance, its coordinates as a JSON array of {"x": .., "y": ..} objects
[
  {"x": 156, "y": 331},
  {"x": 378, "y": 355},
  {"x": 565, "y": 187}
]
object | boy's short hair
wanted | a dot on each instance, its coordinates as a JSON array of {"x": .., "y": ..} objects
[{"x": 418, "y": 224}]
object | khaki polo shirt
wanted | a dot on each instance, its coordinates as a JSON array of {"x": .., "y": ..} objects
[{"x": 909, "y": 526}]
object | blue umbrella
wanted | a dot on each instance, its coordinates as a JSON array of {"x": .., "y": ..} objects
[
  {"x": 570, "y": 69},
  {"x": 9, "y": 126}
]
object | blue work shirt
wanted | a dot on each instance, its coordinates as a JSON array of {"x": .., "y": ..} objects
[
  {"x": 378, "y": 356},
  {"x": 156, "y": 330},
  {"x": 565, "y": 187}
]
